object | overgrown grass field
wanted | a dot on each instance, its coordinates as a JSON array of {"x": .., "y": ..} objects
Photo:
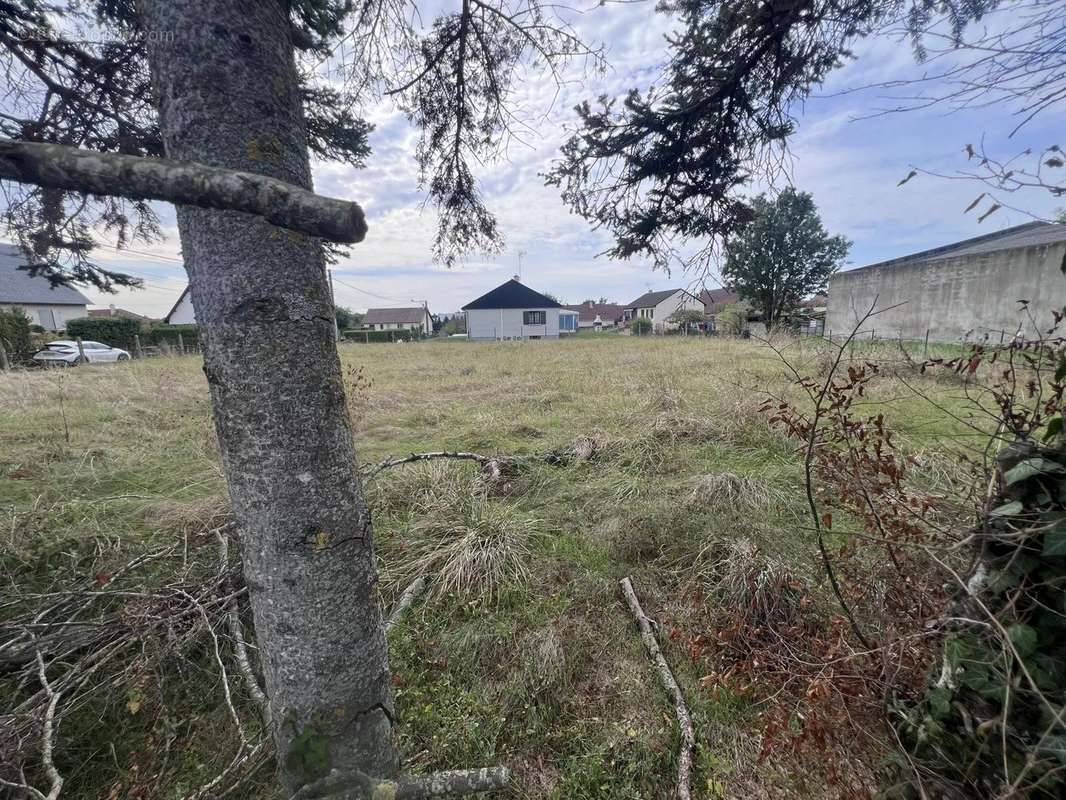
[{"x": 522, "y": 652}]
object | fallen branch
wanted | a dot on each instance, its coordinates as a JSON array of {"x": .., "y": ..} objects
[
  {"x": 47, "y": 742},
  {"x": 388, "y": 463},
  {"x": 415, "y": 787},
  {"x": 183, "y": 183},
  {"x": 688, "y": 740},
  {"x": 413, "y": 590}
]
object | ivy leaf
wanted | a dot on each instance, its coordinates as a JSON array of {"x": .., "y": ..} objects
[
  {"x": 1023, "y": 637},
  {"x": 1031, "y": 468},
  {"x": 1054, "y": 426},
  {"x": 1007, "y": 509},
  {"x": 1055, "y": 540}
]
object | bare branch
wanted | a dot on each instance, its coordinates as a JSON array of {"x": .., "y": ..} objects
[{"x": 184, "y": 183}]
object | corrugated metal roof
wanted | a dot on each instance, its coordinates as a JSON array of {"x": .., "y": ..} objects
[
  {"x": 1032, "y": 234},
  {"x": 17, "y": 286},
  {"x": 511, "y": 295}
]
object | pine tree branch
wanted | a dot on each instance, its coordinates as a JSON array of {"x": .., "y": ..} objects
[{"x": 183, "y": 183}]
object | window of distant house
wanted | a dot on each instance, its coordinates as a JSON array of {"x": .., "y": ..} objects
[{"x": 532, "y": 317}]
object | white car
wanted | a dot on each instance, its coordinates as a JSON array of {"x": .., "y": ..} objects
[{"x": 66, "y": 354}]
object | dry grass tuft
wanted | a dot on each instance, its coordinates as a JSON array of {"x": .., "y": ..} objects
[
  {"x": 188, "y": 517},
  {"x": 759, "y": 590},
  {"x": 472, "y": 548},
  {"x": 421, "y": 488},
  {"x": 671, "y": 426},
  {"x": 727, "y": 491}
]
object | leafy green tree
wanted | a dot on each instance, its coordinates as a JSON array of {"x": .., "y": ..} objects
[
  {"x": 784, "y": 255},
  {"x": 454, "y": 325},
  {"x": 730, "y": 321},
  {"x": 346, "y": 318},
  {"x": 686, "y": 319},
  {"x": 641, "y": 326}
]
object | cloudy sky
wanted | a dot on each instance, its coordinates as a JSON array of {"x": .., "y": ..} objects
[{"x": 850, "y": 162}]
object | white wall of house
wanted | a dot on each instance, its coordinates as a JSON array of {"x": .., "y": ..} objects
[
  {"x": 183, "y": 313},
  {"x": 510, "y": 323},
  {"x": 678, "y": 301},
  {"x": 661, "y": 313},
  {"x": 51, "y": 317}
]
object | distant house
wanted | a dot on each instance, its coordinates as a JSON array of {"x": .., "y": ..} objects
[
  {"x": 182, "y": 313},
  {"x": 47, "y": 306},
  {"x": 112, "y": 311},
  {"x": 399, "y": 319},
  {"x": 512, "y": 311},
  {"x": 968, "y": 290},
  {"x": 659, "y": 307},
  {"x": 597, "y": 316},
  {"x": 568, "y": 320}
]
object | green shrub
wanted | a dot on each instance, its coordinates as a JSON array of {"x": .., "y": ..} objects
[
  {"x": 641, "y": 326},
  {"x": 730, "y": 321},
  {"x": 15, "y": 334},
  {"x": 168, "y": 335},
  {"x": 364, "y": 337},
  {"x": 113, "y": 331}
]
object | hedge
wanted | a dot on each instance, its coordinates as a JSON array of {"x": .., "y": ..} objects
[
  {"x": 363, "y": 337},
  {"x": 15, "y": 335},
  {"x": 114, "y": 331},
  {"x": 168, "y": 335}
]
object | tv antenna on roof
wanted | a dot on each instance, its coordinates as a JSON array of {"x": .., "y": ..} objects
[{"x": 520, "y": 254}]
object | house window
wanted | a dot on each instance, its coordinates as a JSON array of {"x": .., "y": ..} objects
[{"x": 532, "y": 317}]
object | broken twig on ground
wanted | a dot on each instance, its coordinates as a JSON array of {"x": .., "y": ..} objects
[
  {"x": 410, "y": 594},
  {"x": 684, "y": 721}
]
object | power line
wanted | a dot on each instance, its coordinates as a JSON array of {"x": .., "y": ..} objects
[
  {"x": 140, "y": 253},
  {"x": 364, "y": 291}
]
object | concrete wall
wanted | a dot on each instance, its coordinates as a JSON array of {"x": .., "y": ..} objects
[
  {"x": 52, "y": 317},
  {"x": 506, "y": 323},
  {"x": 953, "y": 298}
]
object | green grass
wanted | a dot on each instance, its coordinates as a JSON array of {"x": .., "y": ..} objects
[{"x": 537, "y": 666}]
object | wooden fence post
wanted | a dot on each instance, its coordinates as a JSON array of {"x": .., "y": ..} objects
[
  {"x": 4, "y": 364},
  {"x": 181, "y": 344},
  {"x": 81, "y": 352},
  {"x": 137, "y": 352}
]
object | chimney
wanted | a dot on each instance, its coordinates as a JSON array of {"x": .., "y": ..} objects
[
  {"x": 112, "y": 310},
  {"x": 590, "y": 304}
]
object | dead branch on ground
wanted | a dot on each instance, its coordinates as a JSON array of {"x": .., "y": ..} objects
[{"x": 684, "y": 721}]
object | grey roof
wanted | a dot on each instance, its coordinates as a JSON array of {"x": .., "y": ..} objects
[
  {"x": 1032, "y": 234},
  {"x": 650, "y": 299},
  {"x": 16, "y": 285},
  {"x": 714, "y": 300},
  {"x": 511, "y": 294},
  {"x": 607, "y": 312},
  {"x": 381, "y": 316}
]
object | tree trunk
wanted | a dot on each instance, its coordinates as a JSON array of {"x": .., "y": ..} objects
[{"x": 227, "y": 93}]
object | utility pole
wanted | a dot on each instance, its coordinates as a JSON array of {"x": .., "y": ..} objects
[{"x": 333, "y": 302}]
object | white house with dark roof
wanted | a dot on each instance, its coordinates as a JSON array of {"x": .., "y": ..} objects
[
  {"x": 48, "y": 306},
  {"x": 399, "y": 319},
  {"x": 512, "y": 311},
  {"x": 182, "y": 313},
  {"x": 660, "y": 306},
  {"x": 991, "y": 287}
]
